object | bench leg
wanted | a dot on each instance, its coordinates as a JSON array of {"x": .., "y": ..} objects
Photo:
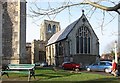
[
  {"x": 32, "y": 73},
  {"x": 29, "y": 76},
  {"x": 34, "y": 76},
  {"x": 3, "y": 73}
]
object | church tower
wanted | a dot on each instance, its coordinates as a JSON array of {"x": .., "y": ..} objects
[
  {"x": 48, "y": 28},
  {"x": 14, "y": 31},
  {"x": 38, "y": 48}
]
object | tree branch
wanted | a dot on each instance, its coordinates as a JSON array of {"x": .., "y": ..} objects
[
  {"x": 53, "y": 11},
  {"x": 114, "y": 8}
]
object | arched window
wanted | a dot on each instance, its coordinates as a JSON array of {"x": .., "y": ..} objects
[
  {"x": 54, "y": 29},
  {"x": 83, "y": 39},
  {"x": 49, "y": 28},
  {"x": 60, "y": 49}
]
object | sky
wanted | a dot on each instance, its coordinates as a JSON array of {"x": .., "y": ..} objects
[{"x": 106, "y": 34}]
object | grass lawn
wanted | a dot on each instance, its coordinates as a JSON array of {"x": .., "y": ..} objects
[{"x": 49, "y": 75}]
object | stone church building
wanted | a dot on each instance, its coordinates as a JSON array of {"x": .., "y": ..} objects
[
  {"x": 37, "y": 52},
  {"x": 76, "y": 43},
  {"x": 13, "y": 31}
]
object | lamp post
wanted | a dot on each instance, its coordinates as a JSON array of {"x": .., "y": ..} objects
[{"x": 116, "y": 58}]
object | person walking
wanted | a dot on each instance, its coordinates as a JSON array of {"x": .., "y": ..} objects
[{"x": 114, "y": 68}]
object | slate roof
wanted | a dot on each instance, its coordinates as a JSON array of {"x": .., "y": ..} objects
[
  {"x": 62, "y": 34},
  {"x": 55, "y": 37}
]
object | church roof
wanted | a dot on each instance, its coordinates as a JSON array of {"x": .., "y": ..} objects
[
  {"x": 61, "y": 35},
  {"x": 55, "y": 37}
]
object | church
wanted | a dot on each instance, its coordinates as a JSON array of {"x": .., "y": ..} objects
[{"x": 76, "y": 43}]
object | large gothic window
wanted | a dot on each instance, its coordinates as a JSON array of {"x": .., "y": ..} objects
[
  {"x": 83, "y": 38},
  {"x": 49, "y": 28}
]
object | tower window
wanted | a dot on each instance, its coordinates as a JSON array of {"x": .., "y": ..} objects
[
  {"x": 83, "y": 39},
  {"x": 49, "y": 28},
  {"x": 54, "y": 29}
]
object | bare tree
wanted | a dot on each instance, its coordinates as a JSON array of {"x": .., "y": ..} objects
[
  {"x": 110, "y": 47},
  {"x": 89, "y": 5},
  {"x": 114, "y": 8},
  {"x": 52, "y": 11}
]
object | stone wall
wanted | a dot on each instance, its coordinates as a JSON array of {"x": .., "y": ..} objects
[
  {"x": 6, "y": 32},
  {"x": 84, "y": 59},
  {"x": 14, "y": 31}
]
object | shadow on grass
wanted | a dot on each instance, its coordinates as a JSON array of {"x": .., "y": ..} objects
[
  {"x": 52, "y": 75},
  {"x": 48, "y": 75},
  {"x": 103, "y": 80},
  {"x": 43, "y": 75}
]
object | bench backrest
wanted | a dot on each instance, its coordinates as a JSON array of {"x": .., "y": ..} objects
[{"x": 21, "y": 66}]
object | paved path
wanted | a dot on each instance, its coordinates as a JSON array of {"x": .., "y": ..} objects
[{"x": 98, "y": 72}]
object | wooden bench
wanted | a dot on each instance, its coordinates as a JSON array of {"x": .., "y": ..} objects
[{"x": 20, "y": 68}]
